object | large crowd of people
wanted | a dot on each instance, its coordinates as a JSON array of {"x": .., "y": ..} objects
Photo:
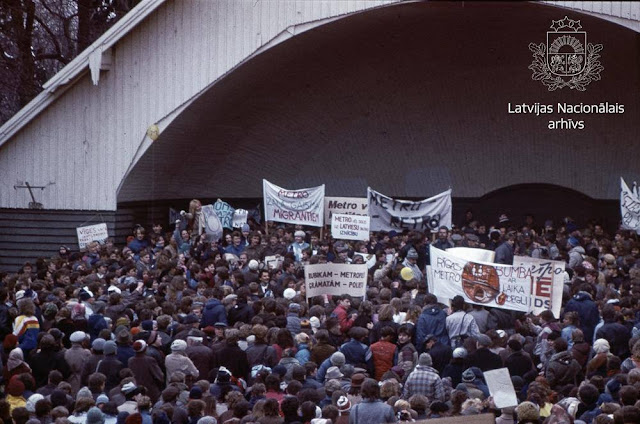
[{"x": 175, "y": 327}]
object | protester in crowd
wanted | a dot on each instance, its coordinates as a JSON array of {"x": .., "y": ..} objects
[{"x": 159, "y": 319}]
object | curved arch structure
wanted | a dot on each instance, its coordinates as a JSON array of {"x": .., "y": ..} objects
[{"x": 411, "y": 100}]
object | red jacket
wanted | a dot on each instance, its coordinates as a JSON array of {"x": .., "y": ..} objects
[
  {"x": 343, "y": 318},
  {"x": 383, "y": 357}
]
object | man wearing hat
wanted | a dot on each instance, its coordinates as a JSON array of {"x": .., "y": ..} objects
[
  {"x": 76, "y": 357},
  {"x": 411, "y": 262},
  {"x": 298, "y": 245},
  {"x": 146, "y": 370},
  {"x": 424, "y": 380},
  {"x": 178, "y": 360},
  {"x": 110, "y": 365},
  {"x": 483, "y": 358},
  {"x": 97, "y": 347}
]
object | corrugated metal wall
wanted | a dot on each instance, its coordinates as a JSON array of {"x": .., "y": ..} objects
[
  {"x": 82, "y": 145},
  {"x": 28, "y": 234}
]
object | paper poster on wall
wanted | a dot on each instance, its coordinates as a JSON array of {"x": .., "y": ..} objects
[
  {"x": 97, "y": 232},
  {"x": 335, "y": 279},
  {"x": 389, "y": 214}
]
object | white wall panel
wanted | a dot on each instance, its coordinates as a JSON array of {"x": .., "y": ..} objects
[{"x": 85, "y": 141}]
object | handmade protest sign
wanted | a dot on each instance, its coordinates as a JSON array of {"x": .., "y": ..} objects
[
  {"x": 274, "y": 262},
  {"x": 501, "y": 387},
  {"x": 368, "y": 258},
  {"x": 335, "y": 279},
  {"x": 629, "y": 207},
  {"x": 344, "y": 205},
  {"x": 389, "y": 214},
  {"x": 303, "y": 206},
  {"x": 350, "y": 227},
  {"x": 547, "y": 283},
  {"x": 481, "y": 283},
  {"x": 212, "y": 224},
  {"x": 473, "y": 254},
  {"x": 225, "y": 213},
  {"x": 91, "y": 233},
  {"x": 239, "y": 218}
]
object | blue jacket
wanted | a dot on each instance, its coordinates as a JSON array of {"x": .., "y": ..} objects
[
  {"x": 587, "y": 310},
  {"x": 358, "y": 354},
  {"x": 96, "y": 323},
  {"x": 303, "y": 355},
  {"x": 213, "y": 312},
  {"x": 432, "y": 321}
]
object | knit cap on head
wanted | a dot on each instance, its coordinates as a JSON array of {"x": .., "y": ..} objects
[
  {"x": 98, "y": 344},
  {"x": 468, "y": 375},
  {"x": 139, "y": 346},
  {"x": 315, "y": 322},
  {"x": 110, "y": 348},
  {"x": 77, "y": 337},
  {"x": 289, "y": 294},
  {"x": 343, "y": 404},
  {"x": 95, "y": 416},
  {"x": 425, "y": 360},
  {"x": 102, "y": 399},
  {"x": 31, "y": 402},
  {"x": 460, "y": 352},
  {"x": 601, "y": 346},
  {"x": 178, "y": 345},
  {"x": 207, "y": 420},
  {"x": 527, "y": 411},
  {"x": 338, "y": 359},
  {"x": 484, "y": 340}
]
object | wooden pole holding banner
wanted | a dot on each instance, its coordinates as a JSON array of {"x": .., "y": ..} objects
[{"x": 266, "y": 228}]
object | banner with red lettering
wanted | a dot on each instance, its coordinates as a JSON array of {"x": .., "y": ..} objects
[
  {"x": 304, "y": 206},
  {"x": 547, "y": 283},
  {"x": 392, "y": 214}
]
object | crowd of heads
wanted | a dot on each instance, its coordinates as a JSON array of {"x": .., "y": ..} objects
[{"x": 173, "y": 326}]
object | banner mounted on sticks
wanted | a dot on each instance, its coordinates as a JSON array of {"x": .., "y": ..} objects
[
  {"x": 212, "y": 225},
  {"x": 350, "y": 227},
  {"x": 335, "y": 279},
  {"x": 91, "y": 233},
  {"x": 630, "y": 207},
  {"x": 303, "y": 206},
  {"x": 344, "y": 205},
  {"x": 547, "y": 283},
  {"x": 389, "y": 214},
  {"x": 480, "y": 283},
  {"x": 225, "y": 213}
]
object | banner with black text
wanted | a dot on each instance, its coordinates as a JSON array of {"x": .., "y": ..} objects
[
  {"x": 335, "y": 279},
  {"x": 389, "y": 214},
  {"x": 304, "y": 206}
]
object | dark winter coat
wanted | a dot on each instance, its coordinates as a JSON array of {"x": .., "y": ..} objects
[
  {"x": 148, "y": 374},
  {"x": 110, "y": 367},
  {"x": 213, "y": 312},
  {"x": 484, "y": 359},
  {"x": 618, "y": 336},
  {"x": 234, "y": 359},
  {"x": 587, "y": 310},
  {"x": 202, "y": 358},
  {"x": 44, "y": 361},
  {"x": 519, "y": 364},
  {"x": 440, "y": 355},
  {"x": 431, "y": 321},
  {"x": 563, "y": 369},
  {"x": 242, "y": 312}
]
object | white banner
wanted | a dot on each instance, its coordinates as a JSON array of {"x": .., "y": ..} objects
[
  {"x": 481, "y": 283},
  {"x": 212, "y": 224},
  {"x": 344, "y": 205},
  {"x": 629, "y": 207},
  {"x": 350, "y": 227},
  {"x": 304, "y": 206},
  {"x": 473, "y": 254},
  {"x": 547, "y": 283},
  {"x": 369, "y": 258},
  {"x": 392, "y": 214},
  {"x": 91, "y": 233},
  {"x": 501, "y": 387},
  {"x": 335, "y": 279},
  {"x": 274, "y": 262},
  {"x": 225, "y": 213},
  {"x": 239, "y": 218}
]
